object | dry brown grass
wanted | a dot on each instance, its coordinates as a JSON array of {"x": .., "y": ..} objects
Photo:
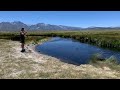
[{"x": 31, "y": 65}]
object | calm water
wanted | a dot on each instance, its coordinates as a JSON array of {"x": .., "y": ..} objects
[{"x": 72, "y": 51}]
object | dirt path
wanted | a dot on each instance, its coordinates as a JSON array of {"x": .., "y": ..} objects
[{"x": 30, "y": 65}]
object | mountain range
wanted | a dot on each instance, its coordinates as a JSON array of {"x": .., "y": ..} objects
[{"x": 17, "y": 25}]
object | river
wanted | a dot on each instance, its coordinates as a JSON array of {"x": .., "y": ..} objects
[{"x": 72, "y": 51}]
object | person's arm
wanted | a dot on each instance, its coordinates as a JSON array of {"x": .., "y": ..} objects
[{"x": 23, "y": 33}]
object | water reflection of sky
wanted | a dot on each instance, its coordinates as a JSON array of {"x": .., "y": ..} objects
[{"x": 73, "y": 51}]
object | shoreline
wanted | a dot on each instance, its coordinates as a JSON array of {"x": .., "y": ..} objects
[
  {"x": 31, "y": 49},
  {"x": 34, "y": 65}
]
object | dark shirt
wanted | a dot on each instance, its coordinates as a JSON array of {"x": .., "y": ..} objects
[{"x": 22, "y": 35}]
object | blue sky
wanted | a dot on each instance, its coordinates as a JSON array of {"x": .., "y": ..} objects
[{"x": 68, "y": 18}]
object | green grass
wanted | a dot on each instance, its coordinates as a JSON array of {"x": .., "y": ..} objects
[
  {"x": 110, "y": 62},
  {"x": 102, "y": 38}
]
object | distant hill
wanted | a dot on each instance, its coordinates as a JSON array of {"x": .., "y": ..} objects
[
  {"x": 103, "y": 28},
  {"x": 17, "y": 25},
  {"x": 12, "y": 26}
]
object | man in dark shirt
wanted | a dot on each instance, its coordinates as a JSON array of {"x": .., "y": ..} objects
[{"x": 22, "y": 39}]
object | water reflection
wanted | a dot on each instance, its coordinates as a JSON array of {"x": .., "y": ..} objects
[{"x": 72, "y": 51}]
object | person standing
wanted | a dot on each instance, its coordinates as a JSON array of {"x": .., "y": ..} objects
[{"x": 22, "y": 39}]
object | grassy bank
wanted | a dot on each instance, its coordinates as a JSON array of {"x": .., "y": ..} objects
[
  {"x": 103, "y": 38},
  {"x": 110, "y": 62}
]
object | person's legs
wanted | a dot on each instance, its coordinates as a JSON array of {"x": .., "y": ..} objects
[{"x": 22, "y": 46}]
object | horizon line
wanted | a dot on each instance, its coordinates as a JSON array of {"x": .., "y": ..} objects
[{"x": 63, "y": 25}]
